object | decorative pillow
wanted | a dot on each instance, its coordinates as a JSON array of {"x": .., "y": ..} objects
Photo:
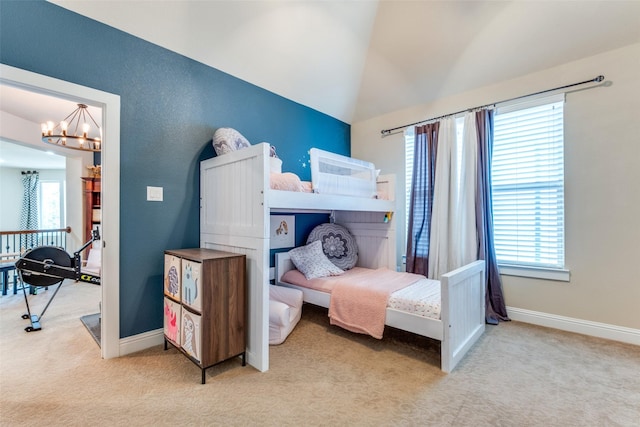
[
  {"x": 312, "y": 262},
  {"x": 337, "y": 244},
  {"x": 226, "y": 140}
]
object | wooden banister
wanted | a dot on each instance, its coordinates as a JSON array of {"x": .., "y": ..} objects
[
  {"x": 21, "y": 240},
  {"x": 52, "y": 230}
]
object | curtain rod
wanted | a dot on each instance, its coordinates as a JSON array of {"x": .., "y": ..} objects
[{"x": 598, "y": 79}]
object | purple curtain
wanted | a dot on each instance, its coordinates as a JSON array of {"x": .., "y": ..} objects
[
  {"x": 421, "y": 200},
  {"x": 496, "y": 309}
]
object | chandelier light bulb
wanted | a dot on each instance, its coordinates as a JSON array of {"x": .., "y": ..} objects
[{"x": 67, "y": 131}]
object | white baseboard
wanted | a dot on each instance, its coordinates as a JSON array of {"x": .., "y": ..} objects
[
  {"x": 141, "y": 341},
  {"x": 585, "y": 327},
  {"x": 149, "y": 339}
]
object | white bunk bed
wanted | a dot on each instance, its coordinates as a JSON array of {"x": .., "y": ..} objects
[{"x": 235, "y": 206}]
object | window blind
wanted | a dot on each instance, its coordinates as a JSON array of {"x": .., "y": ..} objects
[
  {"x": 409, "y": 137},
  {"x": 528, "y": 183}
]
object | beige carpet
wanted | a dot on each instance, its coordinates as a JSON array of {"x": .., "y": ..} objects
[{"x": 517, "y": 375}]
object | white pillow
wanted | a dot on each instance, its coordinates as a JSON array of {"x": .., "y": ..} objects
[{"x": 311, "y": 261}]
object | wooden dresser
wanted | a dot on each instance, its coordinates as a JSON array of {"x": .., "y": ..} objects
[{"x": 205, "y": 305}]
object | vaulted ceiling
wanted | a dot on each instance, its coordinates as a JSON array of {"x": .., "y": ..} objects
[{"x": 355, "y": 60}]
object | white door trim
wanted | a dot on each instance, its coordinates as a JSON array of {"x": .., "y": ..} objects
[{"x": 110, "y": 104}]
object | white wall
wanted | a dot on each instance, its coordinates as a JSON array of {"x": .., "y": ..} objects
[
  {"x": 602, "y": 184},
  {"x": 75, "y": 168},
  {"x": 11, "y": 193},
  {"x": 22, "y": 131},
  {"x": 10, "y": 198}
]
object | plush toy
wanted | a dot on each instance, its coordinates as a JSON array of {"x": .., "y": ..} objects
[{"x": 226, "y": 140}]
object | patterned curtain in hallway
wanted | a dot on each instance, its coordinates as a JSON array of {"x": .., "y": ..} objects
[{"x": 29, "y": 214}]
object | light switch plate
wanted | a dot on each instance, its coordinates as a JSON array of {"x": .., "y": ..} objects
[{"x": 154, "y": 194}]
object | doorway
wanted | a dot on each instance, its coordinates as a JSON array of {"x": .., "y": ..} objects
[{"x": 110, "y": 105}]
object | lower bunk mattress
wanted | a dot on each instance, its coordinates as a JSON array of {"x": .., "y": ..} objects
[{"x": 421, "y": 298}]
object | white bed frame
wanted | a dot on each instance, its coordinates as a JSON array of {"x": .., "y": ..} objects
[
  {"x": 235, "y": 204},
  {"x": 462, "y": 319}
]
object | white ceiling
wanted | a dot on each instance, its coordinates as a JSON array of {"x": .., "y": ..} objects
[
  {"x": 35, "y": 108},
  {"x": 18, "y": 156},
  {"x": 355, "y": 60},
  {"x": 351, "y": 59}
]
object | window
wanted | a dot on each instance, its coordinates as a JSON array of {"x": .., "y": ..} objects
[
  {"x": 409, "y": 138},
  {"x": 51, "y": 205},
  {"x": 527, "y": 174},
  {"x": 528, "y": 187}
]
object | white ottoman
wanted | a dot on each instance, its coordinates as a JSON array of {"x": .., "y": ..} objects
[{"x": 285, "y": 309}]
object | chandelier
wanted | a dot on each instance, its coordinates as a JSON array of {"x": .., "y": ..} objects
[{"x": 73, "y": 131}]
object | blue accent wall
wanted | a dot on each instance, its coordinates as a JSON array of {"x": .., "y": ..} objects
[{"x": 170, "y": 108}]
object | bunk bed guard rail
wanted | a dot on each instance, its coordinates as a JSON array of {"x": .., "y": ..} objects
[{"x": 333, "y": 173}]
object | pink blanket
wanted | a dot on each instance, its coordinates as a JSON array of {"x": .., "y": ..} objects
[{"x": 359, "y": 303}]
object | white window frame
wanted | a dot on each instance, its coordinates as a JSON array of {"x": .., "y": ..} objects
[
  {"x": 62, "y": 213},
  {"x": 540, "y": 271}
]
